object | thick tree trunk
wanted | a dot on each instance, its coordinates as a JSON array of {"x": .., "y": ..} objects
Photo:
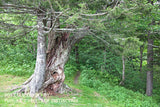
[
  {"x": 36, "y": 81},
  {"x": 57, "y": 55},
  {"x": 59, "y": 47},
  {"x": 49, "y": 71},
  {"x": 39, "y": 73},
  {"x": 149, "y": 85},
  {"x": 49, "y": 74}
]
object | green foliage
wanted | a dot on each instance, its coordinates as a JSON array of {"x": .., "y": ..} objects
[
  {"x": 70, "y": 70},
  {"x": 89, "y": 78},
  {"x": 135, "y": 81},
  {"x": 126, "y": 97},
  {"x": 120, "y": 95},
  {"x": 16, "y": 60},
  {"x": 93, "y": 78}
]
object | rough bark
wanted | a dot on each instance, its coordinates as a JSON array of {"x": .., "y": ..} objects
[
  {"x": 149, "y": 85},
  {"x": 36, "y": 81},
  {"x": 58, "y": 54},
  {"x": 58, "y": 51},
  {"x": 39, "y": 73}
]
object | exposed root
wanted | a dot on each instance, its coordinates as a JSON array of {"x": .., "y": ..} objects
[
  {"x": 29, "y": 79},
  {"x": 64, "y": 89},
  {"x": 24, "y": 84},
  {"x": 52, "y": 86},
  {"x": 50, "y": 81},
  {"x": 15, "y": 88},
  {"x": 20, "y": 90}
]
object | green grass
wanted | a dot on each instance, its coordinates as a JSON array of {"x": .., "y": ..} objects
[
  {"x": 91, "y": 91},
  {"x": 81, "y": 97},
  {"x": 102, "y": 95}
]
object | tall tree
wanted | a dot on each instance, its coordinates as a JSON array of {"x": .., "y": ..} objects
[{"x": 149, "y": 86}]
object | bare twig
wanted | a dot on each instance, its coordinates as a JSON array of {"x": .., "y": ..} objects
[
  {"x": 54, "y": 22},
  {"x": 98, "y": 14},
  {"x": 105, "y": 42},
  {"x": 16, "y": 6},
  {"x": 13, "y": 25}
]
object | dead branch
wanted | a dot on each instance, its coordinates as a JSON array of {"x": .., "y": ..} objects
[
  {"x": 13, "y": 25},
  {"x": 17, "y": 6},
  {"x": 98, "y": 14}
]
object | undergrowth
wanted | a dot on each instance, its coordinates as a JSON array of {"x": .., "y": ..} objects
[{"x": 120, "y": 95}]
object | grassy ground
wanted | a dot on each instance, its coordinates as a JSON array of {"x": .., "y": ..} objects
[
  {"x": 105, "y": 95},
  {"x": 81, "y": 97}
]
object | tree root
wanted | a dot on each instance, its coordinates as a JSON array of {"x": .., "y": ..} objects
[
  {"x": 25, "y": 87},
  {"x": 15, "y": 88},
  {"x": 50, "y": 81},
  {"x": 29, "y": 79},
  {"x": 64, "y": 89}
]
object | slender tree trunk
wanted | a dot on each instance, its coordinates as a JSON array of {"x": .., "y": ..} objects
[
  {"x": 149, "y": 85},
  {"x": 77, "y": 55},
  {"x": 123, "y": 71},
  {"x": 141, "y": 57}
]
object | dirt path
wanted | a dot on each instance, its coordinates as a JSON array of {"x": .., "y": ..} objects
[{"x": 77, "y": 77}]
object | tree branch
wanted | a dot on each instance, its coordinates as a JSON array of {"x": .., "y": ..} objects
[
  {"x": 13, "y": 25},
  {"x": 22, "y": 12},
  {"x": 78, "y": 35},
  {"x": 101, "y": 39},
  {"x": 16, "y": 6},
  {"x": 54, "y": 22},
  {"x": 98, "y": 14}
]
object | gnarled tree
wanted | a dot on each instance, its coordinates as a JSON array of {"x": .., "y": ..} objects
[{"x": 50, "y": 61}]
